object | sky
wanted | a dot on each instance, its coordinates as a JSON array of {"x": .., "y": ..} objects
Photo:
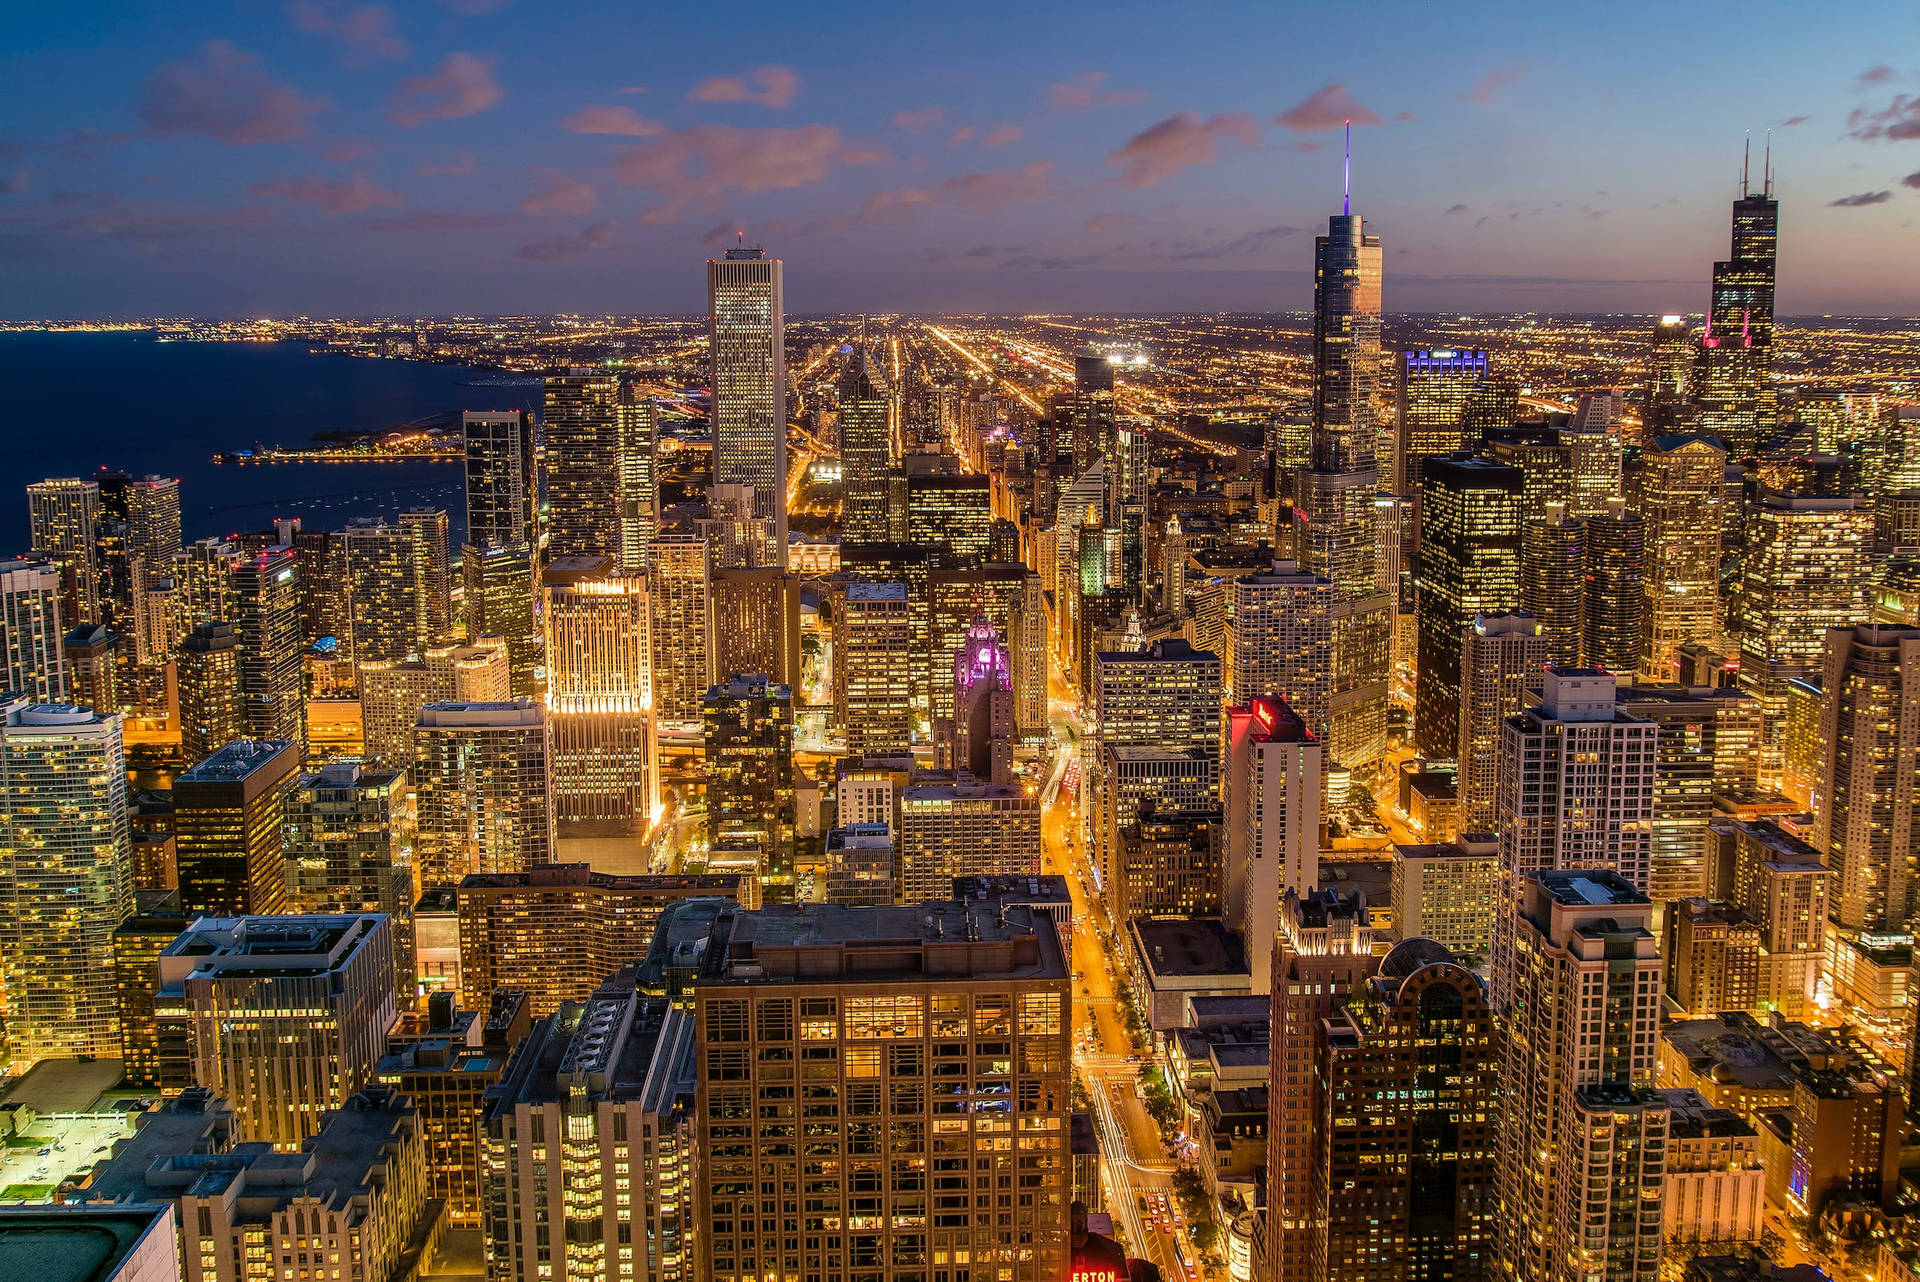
[{"x": 229, "y": 158}]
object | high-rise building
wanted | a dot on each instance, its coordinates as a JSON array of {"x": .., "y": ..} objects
[
  {"x": 1447, "y": 892},
  {"x": 793, "y": 980},
  {"x": 228, "y": 816},
  {"x": 755, "y": 617},
  {"x": 1165, "y": 696},
  {"x": 580, "y": 456},
  {"x": 1169, "y": 865},
  {"x": 265, "y": 612},
  {"x": 859, "y": 859},
  {"x": 637, "y": 481},
  {"x": 483, "y": 787},
  {"x": 1499, "y": 655},
  {"x": 1270, "y": 801},
  {"x": 983, "y": 736},
  {"x": 31, "y": 629},
  {"x": 1093, "y": 409},
  {"x": 137, "y": 944},
  {"x": 954, "y": 513},
  {"x": 1580, "y": 1175},
  {"x": 66, "y": 879},
  {"x": 599, "y": 696},
  {"x": 682, "y": 636},
  {"x": 1667, "y": 404},
  {"x": 346, "y": 836},
  {"x": 866, "y": 452},
  {"x": 1469, "y": 565},
  {"x": 90, "y": 658},
  {"x": 392, "y": 694},
  {"x": 1803, "y": 571},
  {"x": 136, "y": 537},
  {"x": 1406, "y": 1179},
  {"x": 389, "y": 584},
  {"x": 1706, "y": 743},
  {"x": 428, "y": 526},
  {"x": 207, "y": 681},
  {"x": 747, "y": 346},
  {"x": 1616, "y": 553},
  {"x": 1553, "y": 580},
  {"x": 587, "y": 1164},
  {"x": 1734, "y": 377},
  {"x": 1281, "y": 627},
  {"x": 286, "y": 1016},
  {"x": 873, "y": 660},
  {"x": 1010, "y": 597},
  {"x": 747, "y": 728},
  {"x": 1431, "y": 396},
  {"x": 498, "y": 593},
  {"x": 1868, "y": 779},
  {"x": 62, "y": 514},
  {"x": 503, "y": 492},
  {"x": 963, "y": 829},
  {"x": 1322, "y": 954},
  {"x": 1677, "y": 491}
]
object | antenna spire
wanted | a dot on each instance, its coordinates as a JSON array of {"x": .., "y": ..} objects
[
  {"x": 1346, "y": 199},
  {"x": 1746, "y": 161},
  {"x": 1766, "y": 167}
]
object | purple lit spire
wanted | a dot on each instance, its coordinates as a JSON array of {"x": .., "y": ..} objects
[{"x": 1346, "y": 199}]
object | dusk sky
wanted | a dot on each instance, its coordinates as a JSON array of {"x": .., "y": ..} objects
[{"x": 507, "y": 156}]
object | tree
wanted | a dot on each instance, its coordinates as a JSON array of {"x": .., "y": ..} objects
[{"x": 1160, "y": 1106}]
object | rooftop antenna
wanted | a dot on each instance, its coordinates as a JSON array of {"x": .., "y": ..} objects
[
  {"x": 1766, "y": 167},
  {"x": 1746, "y": 159},
  {"x": 1346, "y": 200}
]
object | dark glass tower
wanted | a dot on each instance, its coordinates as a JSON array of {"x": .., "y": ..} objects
[
  {"x": 866, "y": 452},
  {"x": 1469, "y": 564},
  {"x": 1093, "y": 409},
  {"x": 1735, "y": 394}
]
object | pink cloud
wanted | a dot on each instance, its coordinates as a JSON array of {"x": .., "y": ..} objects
[
  {"x": 1178, "y": 143},
  {"x": 461, "y": 163},
  {"x": 1002, "y": 134},
  {"x": 697, "y": 165},
  {"x": 916, "y": 121},
  {"x": 562, "y": 196},
  {"x": 557, "y": 249},
  {"x": 16, "y": 182},
  {"x": 366, "y": 30},
  {"x": 1328, "y": 107},
  {"x": 768, "y": 86},
  {"x": 1107, "y": 224},
  {"x": 1488, "y": 87},
  {"x": 353, "y": 196},
  {"x": 1087, "y": 90},
  {"x": 222, "y": 93},
  {"x": 622, "y": 121},
  {"x": 963, "y": 134},
  {"x": 462, "y": 85},
  {"x": 1874, "y": 76},
  {"x": 1898, "y": 120}
]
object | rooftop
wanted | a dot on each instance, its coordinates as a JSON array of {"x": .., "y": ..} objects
[
  {"x": 1188, "y": 946},
  {"x": 78, "y": 1243},
  {"x": 1590, "y": 887},
  {"x": 620, "y": 1044},
  {"x": 241, "y": 760},
  {"x": 956, "y": 939}
]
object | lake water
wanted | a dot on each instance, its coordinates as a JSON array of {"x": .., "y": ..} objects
[{"x": 81, "y": 403}]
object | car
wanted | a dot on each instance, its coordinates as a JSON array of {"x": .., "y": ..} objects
[{"x": 43, "y": 1152}]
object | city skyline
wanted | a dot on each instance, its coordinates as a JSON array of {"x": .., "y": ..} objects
[{"x": 365, "y": 160}]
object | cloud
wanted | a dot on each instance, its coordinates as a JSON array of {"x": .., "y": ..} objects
[
  {"x": 1002, "y": 134},
  {"x": 915, "y": 121},
  {"x": 347, "y": 151},
  {"x": 461, "y": 163},
  {"x": 623, "y": 121},
  {"x": 1088, "y": 90},
  {"x": 222, "y": 93},
  {"x": 1455, "y": 209},
  {"x": 1251, "y": 243},
  {"x": 1000, "y": 187},
  {"x": 366, "y": 30},
  {"x": 462, "y": 85},
  {"x": 1874, "y": 76},
  {"x": 699, "y": 164},
  {"x": 768, "y": 86},
  {"x": 1327, "y": 107},
  {"x": 1108, "y": 224},
  {"x": 562, "y": 196},
  {"x": 1860, "y": 199},
  {"x": 893, "y": 206},
  {"x": 631, "y": 89},
  {"x": 99, "y": 216},
  {"x": 963, "y": 134},
  {"x": 1160, "y": 151},
  {"x": 1488, "y": 87},
  {"x": 434, "y": 221},
  {"x": 1911, "y": 180},
  {"x": 1791, "y": 121},
  {"x": 557, "y": 249},
  {"x": 1403, "y": 116},
  {"x": 355, "y": 195},
  {"x": 724, "y": 232},
  {"x": 16, "y": 182},
  {"x": 1899, "y": 119}
]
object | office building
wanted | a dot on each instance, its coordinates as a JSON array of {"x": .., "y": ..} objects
[
  {"x": 66, "y": 879},
  {"x": 1579, "y": 1058},
  {"x": 859, "y": 860},
  {"x": 482, "y": 783},
  {"x": 1270, "y": 801},
  {"x": 599, "y": 696},
  {"x": 1169, "y": 864},
  {"x": 1667, "y": 404},
  {"x": 1499, "y": 655},
  {"x": 136, "y": 536},
  {"x": 286, "y": 1016},
  {"x": 873, "y": 653},
  {"x": 1406, "y": 1184},
  {"x": 392, "y": 694},
  {"x": 747, "y": 346},
  {"x": 556, "y": 931},
  {"x": 1280, "y": 626},
  {"x": 90, "y": 655},
  {"x": 756, "y": 623},
  {"x": 1447, "y": 892},
  {"x": 265, "y": 612},
  {"x": 62, "y": 514},
  {"x": 1164, "y": 696},
  {"x": 389, "y": 590},
  {"x": 1712, "y": 953},
  {"x": 138, "y": 941},
  {"x": 952, "y": 513},
  {"x": 1616, "y": 548},
  {"x": 1092, "y": 410},
  {"x": 503, "y": 491},
  {"x": 346, "y": 840},
  {"x": 1706, "y": 744},
  {"x": 588, "y": 1168},
  {"x": 1678, "y": 493},
  {"x": 682, "y": 628},
  {"x": 580, "y": 437},
  {"x": 498, "y": 590},
  {"x": 1782, "y": 884},
  {"x": 747, "y": 730},
  {"x": 636, "y": 494},
  {"x": 428, "y": 526},
  {"x": 1733, "y": 386},
  {"x": 867, "y": 452},
  {"x": 1009, "y": 596},
  {"x": 1135, "y": 779},
  {"x": 1868, "y": 778},
  {"x": 785, "y": 980},
  {"x": 31, "y": 629},
  {"x": 1469, "y": 565},
  {"x": 962, "y": 829},
  {"x": 228, "y": 814},
  {"x": 355, "y": 1188},
  {"x": 1553, "y": 580},
  {"x": 1432, "y": 391},
  {"x": 982, "y": 735}
]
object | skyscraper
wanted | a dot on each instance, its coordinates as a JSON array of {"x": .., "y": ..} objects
[
  {"x": 1165, "y": 696},
  {"x": 747, "y": 345},
  {"x": 207, "y": 680},
  {"x": 580, "y": 436},
  {"x": 1616, "y": 574},
  {"x": 636, "y": 494},
  {"x": 498, "y": 595},
  {"x": 1678, "y": 491},
  {"x": 30, "y": 630},
  {"x": 599, "y": 696},
  {"x": 1869, "y": 776},
  {"x": 1270, "y": 799},
  {"x": 389, "y": 571},
  {"x": 756, "y": 622},
  {"x": 66, "y": 879},
  {"x": 1281, "y": 628},
  {"x": 1431, "y": 397},
  {"x": 265, "y": 610},
  {"x": 434, "y": 587},
  {"x": 392, "y": 694},
  {"x": 1734, "y": 378},
  {"x": 1667, "y": 404},
  {"x": 482, "y": 779},
  {"x": 953, "y": 513},
  {"x": 866, "y": 452},
  {"x": 1092, "y": 409},
  {"x": 873, "y": 649},
  {"x": 1553, "y": 580},
  {"x": 1500, "y": 653},
  {"x": 346, "y": 853},
  {"x": 228, "y": 815},
  {"x": 1469, "y": 565},
  {"x": 61, "y": 515},
  {"x": 682, "y": 628},
  {"x": 748, "y": 730},
  {"x": 502, "y": 490}
]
